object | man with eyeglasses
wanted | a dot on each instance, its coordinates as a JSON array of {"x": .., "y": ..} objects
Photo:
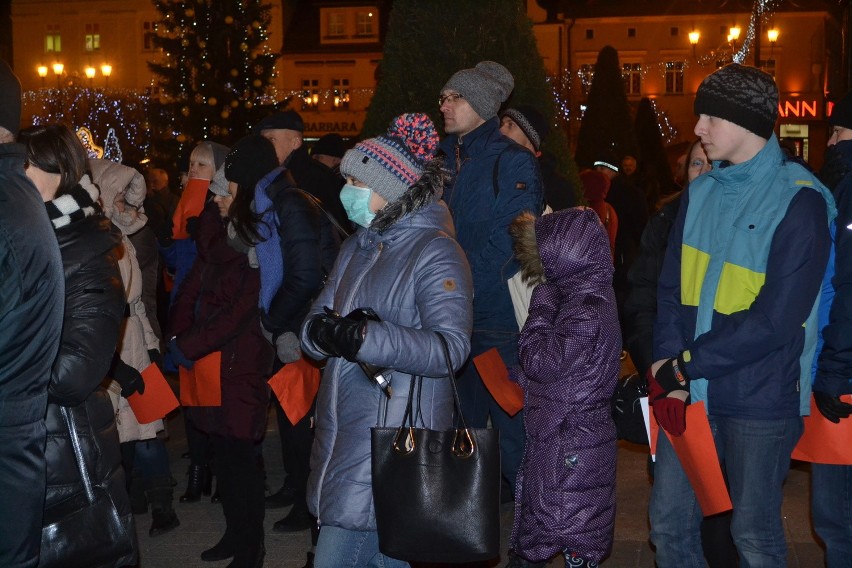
[
  {"x": 831, "y": 484},
  {"x": 495, "y": 180}
]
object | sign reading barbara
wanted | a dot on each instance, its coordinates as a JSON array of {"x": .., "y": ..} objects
[
  {"x": 799, "y": 108},
  {"x": 341, "y": 127}
]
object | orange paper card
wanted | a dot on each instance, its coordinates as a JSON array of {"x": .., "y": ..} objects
[
  {"x": 190, "y": 205},
  {"x": 824, "y": 441},
  {"x": 201, "y": 385},
  {"x": 296, "y": 386},
  {"x": 696, "y": 451},
  {"x": 495, "y": 375},
  {"x": 157, "y": 400}
]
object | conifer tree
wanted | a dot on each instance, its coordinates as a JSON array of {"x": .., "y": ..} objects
[
  {"x": 214, "y": 74},
  {"x": 653, "y": 172},
  {"x": 607, "y": 123},
  {"x": 424, "y": 47}
]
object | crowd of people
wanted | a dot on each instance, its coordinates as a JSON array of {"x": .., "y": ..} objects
[{"x": 731, "y": 291}]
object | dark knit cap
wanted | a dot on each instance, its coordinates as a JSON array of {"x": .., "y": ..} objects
[
  {"x": 249, "y": 160},
  {"x": 390, "y": 164},
  {"x": 282, "y": 120},
  {"x": 607, "y": 159},
  {"x": 841, "y": 113},
  {"x": 485, "y": 87},
  {"x": 740, "y": 94},
  {"x": 329, "y": 145},
  {"x": 530, "y": 121},
  {"x": 10, "y": 99}
]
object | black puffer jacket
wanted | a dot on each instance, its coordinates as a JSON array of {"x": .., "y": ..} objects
[{"x": 94, "y": 308}]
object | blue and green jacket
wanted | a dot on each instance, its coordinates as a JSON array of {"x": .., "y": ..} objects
[{"x": 741, "y": 282}]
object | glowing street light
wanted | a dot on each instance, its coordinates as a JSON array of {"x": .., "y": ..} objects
[
  {"x": 90, "y": 74},
  {"x": 58, "y": 68},
  {"x": 106, "y": 71},
  {"x": 694, "y": 36},
  {"x": 772, "y": 36},
  {"x": 42, "y": 72}
]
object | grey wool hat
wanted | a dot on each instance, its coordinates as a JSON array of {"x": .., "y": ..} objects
[
  {"x": 740, "y": 94},
  {"x": 219, "y": 184},
  {"x": 10, "y": 99},
  {"x": 485, "y": 87},
  {"x": 391, "y": 163}
]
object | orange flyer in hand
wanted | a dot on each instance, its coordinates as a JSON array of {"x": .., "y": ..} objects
[
  {"x": 824, "y": 441},
  {"x": 495, "y": 375},
  {"x": 296, "y": 386},
  {"x": 157, "y": 400},
  {"x": 190, "y": 205},
  {"x": 696, "y": 451},
  {"x": 202, "y": 385}
]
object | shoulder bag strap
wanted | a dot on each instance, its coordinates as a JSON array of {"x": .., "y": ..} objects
[{"x": 343, "y": 232}]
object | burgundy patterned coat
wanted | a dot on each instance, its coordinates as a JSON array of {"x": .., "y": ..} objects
[{"x": 569, "y": 353}]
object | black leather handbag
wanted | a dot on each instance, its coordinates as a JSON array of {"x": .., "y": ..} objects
[
  {"x": 86, "y": 531},
  {"x": 436, "y": 493}
]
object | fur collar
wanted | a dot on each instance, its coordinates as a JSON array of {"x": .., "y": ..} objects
[
  {"x": 526, "y": 250},
  {"x": 425, "y": 190}
]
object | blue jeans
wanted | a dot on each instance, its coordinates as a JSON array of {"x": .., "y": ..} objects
[
  {"x": 831, "y": 507},
  {"x": 343, "y": 548},
  {"x": 756, "y": 454},
  {"x": 477, "y": 403}
]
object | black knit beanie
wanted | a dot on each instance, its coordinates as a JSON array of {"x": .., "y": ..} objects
[
  {"x": 531, "y": 122},
  {"x": 841, "y": 114},
  {"x": 10, "y": 99},
  {"x": 740, "y": 94},
  {"x": 251, "y": 158}
]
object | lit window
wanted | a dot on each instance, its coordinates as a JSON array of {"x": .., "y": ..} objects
[
  {"x": 93, "y": 37},
  {"x": 632, "y": 75},
  {"x": 52, "y": 39},
  {"x": 310, "y": 94},
  {"x": 674, "y": 77},
  {"x": 341, "y": 93},
  {"x": 336, "y": 24},
  {"x": 149, "y": 31},
  {"x": 365, "y": 24}
]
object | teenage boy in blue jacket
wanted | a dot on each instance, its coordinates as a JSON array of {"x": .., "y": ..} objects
[{"x": 736, "y": 323}]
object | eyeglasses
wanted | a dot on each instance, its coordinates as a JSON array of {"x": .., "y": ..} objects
[{"x": 451, "y": 98}]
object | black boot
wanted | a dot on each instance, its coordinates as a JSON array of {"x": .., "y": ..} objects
[
  {"x": 222, "y": 550},
  {"x": 207, "y": 487},
  {"x": 138, "y": 500},
  {"x": 197, "y": 481},
  {"x": 216, "y": 498},
  {"x": 160, "y": 495},
  {"x": 310, "y": 562},
  {"x": 297, "y": 520}
]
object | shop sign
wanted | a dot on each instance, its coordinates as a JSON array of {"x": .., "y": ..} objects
[
  {"x": 344, "y": 126},
  {"x": 798, "y": 108}
]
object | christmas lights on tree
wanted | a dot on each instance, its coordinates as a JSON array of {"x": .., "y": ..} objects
[{"x": 216, "y": 74}]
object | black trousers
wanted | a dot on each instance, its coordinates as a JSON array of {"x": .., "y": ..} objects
[
  {"x": 296, "y": 443},
  {"x": 241, "y": 487}
]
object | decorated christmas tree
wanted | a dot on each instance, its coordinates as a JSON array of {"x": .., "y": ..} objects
[{"x": 214, "y": 75}]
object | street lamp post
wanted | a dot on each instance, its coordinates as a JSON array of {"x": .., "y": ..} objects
[
  {"x": 106, "y": 71},
  {"x": 42, "y": 72},
  {"x": 90, "y": 74},
  {"x": 694, "y": 36},
  {"x": 772, "y": 36},
  {"x": 58, "y": 68},
  {"x": 733, "y": 36}
]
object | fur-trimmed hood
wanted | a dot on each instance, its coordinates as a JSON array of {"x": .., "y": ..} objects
[
  {"x": 569, "y": 247},
  {"x": 425, "y": 191}
]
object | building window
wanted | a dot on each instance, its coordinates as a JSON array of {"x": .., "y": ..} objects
[
  {"x": 149, "y": 31},
  {"x": 631, "y": 32},
  {"x": 365, "y": 24},
  {"x": 310, "y": 94},
  {"x": 340, "y": 88},
  {"x": 93, "y": 37},
  {"x": 52, "y": 39},
  {"x": 587, "y": 73},
  {"x": 590, "y": 34},
  {"x": 632, "y": 75},
  {"x": 336, "y": 24},
  {"x": 674, "y": 77},
  {"x": 768, "y": 66},
  {"x": 674, "y": 31}
]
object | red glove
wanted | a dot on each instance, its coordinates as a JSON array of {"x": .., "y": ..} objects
[{"x": 670, "y": 412}]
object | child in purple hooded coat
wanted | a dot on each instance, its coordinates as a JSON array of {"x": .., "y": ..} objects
[{"x": 569, "y": 355}]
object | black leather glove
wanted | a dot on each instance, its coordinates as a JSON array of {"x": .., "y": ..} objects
[
  {"x": 671, "y": 376},
  {"x": 347, "y": 337},
  {"x": 340, "y": 336},
  {"x": 129, "y": 378},
  {"x": 831, "y": 407},
  {"x": 155, "y": 357},
  {"x": 320, "y": 329}
]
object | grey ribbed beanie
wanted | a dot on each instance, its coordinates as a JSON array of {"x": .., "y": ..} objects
[{"x": 485, "y": 87}]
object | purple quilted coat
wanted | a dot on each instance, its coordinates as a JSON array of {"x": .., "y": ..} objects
[{"x": 569, "y": 353}]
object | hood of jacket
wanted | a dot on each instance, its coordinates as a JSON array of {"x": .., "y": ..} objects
[
  {"x": 422, "y": 197},
  {"x": 119, "y": 181},
  {"x": 569, "y": 248}
]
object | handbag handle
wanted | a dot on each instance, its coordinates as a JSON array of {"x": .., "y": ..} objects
[
  {"x": 463, "y": 444},
  {"x": 78, "y": 453}
]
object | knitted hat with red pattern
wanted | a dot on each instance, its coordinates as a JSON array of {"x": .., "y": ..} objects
[{"x": 391, "y": 163}]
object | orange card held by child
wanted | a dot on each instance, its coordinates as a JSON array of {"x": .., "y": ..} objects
[
  {"x": 202, "y": 385},
  {"x": 190, "y": 205},
  {"x": 495, "y": 375},
  {"x": 296, "y": 385},
  {"x": 157, "y": 400},
  {"x": 696, "y": 451},
  {"x": 824, "y": 441}
]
